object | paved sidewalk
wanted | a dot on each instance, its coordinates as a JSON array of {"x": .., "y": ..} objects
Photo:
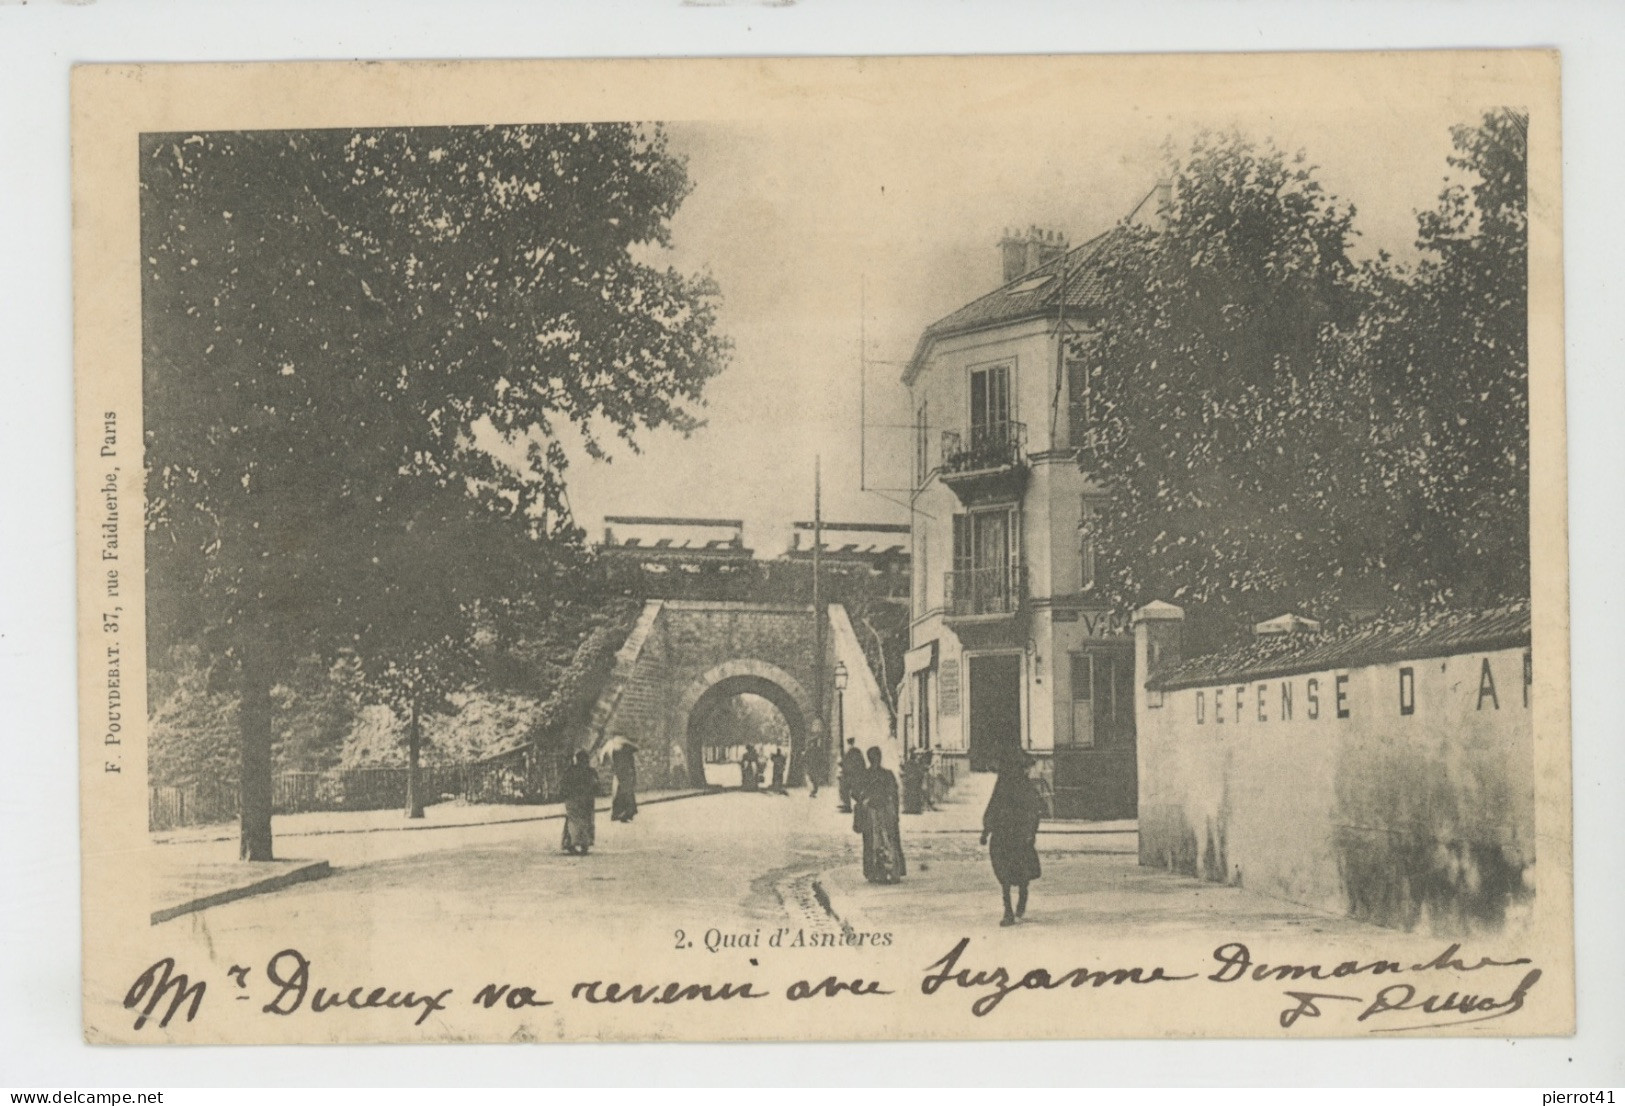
[
  {"x": 1082, "y": 889},
  {"x": 188, "y": 883},
  {"x": 1091, "y": 878},
  {"x": 197, "y": 867},
  {"x": 961, "y": 812}
]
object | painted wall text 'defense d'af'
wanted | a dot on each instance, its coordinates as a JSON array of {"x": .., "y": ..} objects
[{"x": 1332, "y": 696}]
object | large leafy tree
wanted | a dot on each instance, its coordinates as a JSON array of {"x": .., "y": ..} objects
[
  {"x": 1450, "y": 340},
  {"x": 1213, "y": 383},
  {"x": 358, "y": 344},
  {"x": 1280, "y": 428}
]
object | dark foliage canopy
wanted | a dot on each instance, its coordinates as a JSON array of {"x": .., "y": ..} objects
[
  {"x": 1279, "y": 427},
  {"x": 361, "y": 350}
]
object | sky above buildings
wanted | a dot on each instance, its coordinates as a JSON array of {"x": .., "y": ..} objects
[{"x": 800, "y": 226}]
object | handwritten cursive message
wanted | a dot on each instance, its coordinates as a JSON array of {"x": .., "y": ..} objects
[{"x": 290, "y": 985}]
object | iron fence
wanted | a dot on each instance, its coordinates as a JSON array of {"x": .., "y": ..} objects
[
  {"x": 982, "y": 591},
  {"x": 990, "y": 445},
  {"x": 521, "y": 775},
  {"x": 194, "y": 804},
  {"x": 527, "y": 774}
]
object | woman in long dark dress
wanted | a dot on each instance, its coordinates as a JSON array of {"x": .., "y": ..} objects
[
  {"x": 913, "y": 783},
  {"x": 1010, "y": 829},
  {"x": 624, "y": 760},
  {"x": 875, "y": 815},
  {"x": 580, "y": 789}
]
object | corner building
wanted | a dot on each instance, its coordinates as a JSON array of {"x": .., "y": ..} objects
[{"x": 1010, "y": 641}]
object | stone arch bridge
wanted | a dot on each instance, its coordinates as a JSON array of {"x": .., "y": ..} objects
[{"x": 685, "y": 657}]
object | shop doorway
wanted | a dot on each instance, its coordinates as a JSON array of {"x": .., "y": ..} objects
[{"x": 995, "y": 708}]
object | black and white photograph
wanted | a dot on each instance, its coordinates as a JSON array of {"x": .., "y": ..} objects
[{"x": 823, "y": 550}]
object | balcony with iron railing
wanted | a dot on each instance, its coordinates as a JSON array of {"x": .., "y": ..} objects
[
  {"x": 987, "y": 463},
  {"x": 990, "y": 445},
  {"x": 984, "y": 593}
]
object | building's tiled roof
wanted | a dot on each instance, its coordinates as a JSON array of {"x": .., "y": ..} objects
[
  {"x": 1372, "y": 643},
  {"x": 1077, "y": 271}
]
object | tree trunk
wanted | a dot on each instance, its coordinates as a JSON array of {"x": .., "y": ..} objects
[
  {"x": 414, "y": 786},
  {"x": 254, "y": 737}
]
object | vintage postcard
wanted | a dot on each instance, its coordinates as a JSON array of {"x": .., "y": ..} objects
[{"x": 840, "y": 549}]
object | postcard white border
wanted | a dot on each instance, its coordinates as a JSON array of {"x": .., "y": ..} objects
[{"x": 39, "y": 992}]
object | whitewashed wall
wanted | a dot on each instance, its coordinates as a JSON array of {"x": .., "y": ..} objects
[{"x": 1322, "y": 788}]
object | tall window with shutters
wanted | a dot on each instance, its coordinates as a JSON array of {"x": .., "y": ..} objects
[
  {"x": 989, "y": 405},
  {"x": 1088, "y": 545},
  {"x": 922, "y": 439},
  {"x": 1080, "y": 413},
  {"x": 1102, "y": 699},
  {"x": 1082, "y": 731},
  {"x": 922, "y": 557},
  {"x": 984, "y": 578}
]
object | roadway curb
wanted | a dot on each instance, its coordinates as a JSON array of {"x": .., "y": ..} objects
[
  {"x": 447, "y": 825},
  {"x": 605, "y": 809},
  {"x": 1042, "y": 831},
  {"x": 317, "y": 869},
  {"x": 842, "y": 914}
]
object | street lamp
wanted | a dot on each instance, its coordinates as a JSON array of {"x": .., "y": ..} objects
[{"x": 840, "y": 710}]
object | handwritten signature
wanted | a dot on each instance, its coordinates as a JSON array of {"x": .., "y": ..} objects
[{"x": 1403, "y": 996}]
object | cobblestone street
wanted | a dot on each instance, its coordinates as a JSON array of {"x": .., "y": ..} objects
[{"x": 725, "y": 859}]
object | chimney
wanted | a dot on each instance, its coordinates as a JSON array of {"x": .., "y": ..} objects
[
  {"x": 1153, "y": 211},
  {"x": 1159, "y": 639},
  {"x": 1012, "y": 256},
  {"x": 1022, "y": 252},
  {"x": 1287, "y": 624}
]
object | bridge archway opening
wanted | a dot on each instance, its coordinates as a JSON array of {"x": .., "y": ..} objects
[{"x": 745, "y": 702}]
